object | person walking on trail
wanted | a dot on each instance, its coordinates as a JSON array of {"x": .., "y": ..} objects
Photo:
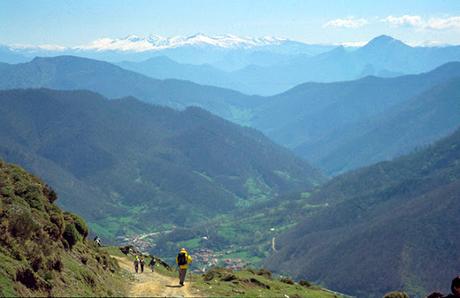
[
  {"x": 97, "y": 240},
  {"x": 183, "y": 259},
  {"x": 142, "y": 262},
  {"x": 152, "y": 264},
  {"x": 136, "y": 264}
]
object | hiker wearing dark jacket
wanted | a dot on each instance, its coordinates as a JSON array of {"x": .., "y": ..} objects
[
  {"x": 183, "y": 259},
  {"x": 152, "y": 264},
  {"x": 142, "y": 263},
  {"x": 455, "y": 288},
  {"x": 136, "y": 264}
]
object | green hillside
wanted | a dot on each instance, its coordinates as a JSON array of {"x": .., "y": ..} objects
[
  {"x": 127, "y": 166},
  {"x": 43, "y": 251},
  {"x": 389, "y": 226},
  {"x": 76, "y": 73}
]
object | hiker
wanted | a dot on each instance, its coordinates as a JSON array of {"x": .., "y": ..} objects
[
  {"x": 97, "y": 240},
  {"x": 142, "y": 262},
  {"x": 183, "y": 259},
  {"x": 152, "y": 264},
  {"x": 136, "y": 264},
  {"x": 455, "y": 288}
]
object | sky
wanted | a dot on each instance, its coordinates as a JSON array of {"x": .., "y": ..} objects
[{"x": 72, "y": 23}]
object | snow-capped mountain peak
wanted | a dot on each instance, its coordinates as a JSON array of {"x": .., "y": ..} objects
[{"x": 156, "y": 42}]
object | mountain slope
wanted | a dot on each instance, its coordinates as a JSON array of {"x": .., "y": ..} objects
[
  {"x": 164, "y": 68},
  {"x": 388, "y": 226},
  {"x": 71, "y": 73},
  {"x": 43, "y": 250},
  {"x": 148, "y": 165},
  {"x": 320, "y": 119},
  {"x": 417, "y": 122}
]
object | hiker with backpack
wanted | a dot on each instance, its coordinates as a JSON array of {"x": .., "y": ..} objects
[
  {"x": 142, "y": 263},
  {"x": 136, "y": 264},
  {"x": 152, "y": 264},
  {"x": 183, "y": 259}
]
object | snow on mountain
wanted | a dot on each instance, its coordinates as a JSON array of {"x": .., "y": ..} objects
[{"x": 155, "y": 42}]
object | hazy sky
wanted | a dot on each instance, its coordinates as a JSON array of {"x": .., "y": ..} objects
[{"x": 78, "y": 22}]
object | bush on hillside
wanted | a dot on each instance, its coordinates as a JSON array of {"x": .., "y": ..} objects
[
  {"x": 71, "y": 235},
  {"x": 34, "y": 197},
  {"x": 264, "y": 272},
  {"x": 27, "y": 278},
  {"x": 287, "y": 280},
  {"x": 305, "y": 283},
  {"x": 22, "y": 225},
  {"x": 49, "y": 193},
  {"x": 78, "y": 222},
  {"x": 56, "y": 228}
]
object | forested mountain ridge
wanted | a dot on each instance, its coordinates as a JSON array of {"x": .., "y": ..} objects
[
  {"x": 147, "y": 164},
  {"x": 320, "y": 121},
  {"x": 417, "y": 122},
  {"x": 76, "y": 73},
  {"x": 388, "y": 226}
]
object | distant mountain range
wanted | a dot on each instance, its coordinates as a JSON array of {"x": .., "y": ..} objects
[
  {"x": 228, "y": 52},
  {"x": 263, "y": 66},
  {"x": 388, "y": 226},
  {"x": 382, "y": 56},
  {"x": 146, "y": 164},
  {"x": 336, "y": 126}
]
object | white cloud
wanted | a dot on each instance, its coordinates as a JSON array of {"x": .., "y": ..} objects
[
  {"x": 443, "y": 23},
  {"x": 405, "y": 20},
  {"x": 421, "y": 23},
  {"x": 346, "y": 23}
]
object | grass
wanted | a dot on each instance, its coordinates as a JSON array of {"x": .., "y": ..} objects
[
  {"x": 247, "y": 283},
  {"x": 7, "y": 273}
]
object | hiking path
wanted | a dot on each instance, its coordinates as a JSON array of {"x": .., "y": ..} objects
[{"x": 153, "y": 284}]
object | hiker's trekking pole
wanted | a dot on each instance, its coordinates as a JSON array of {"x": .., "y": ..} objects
[{"x": 190, "y": 276}]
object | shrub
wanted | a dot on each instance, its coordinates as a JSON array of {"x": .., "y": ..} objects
[
  {"x": 27, "y": 278},
  {"x": 287, "y": 281},
  {"x": 55, "y": 231},
  {"x": 305, "y": 283},
  {"x": 49, "y": 193},
  {"x": 36, "y": 262},
  {"x": 34, "y": 197},
  {"x": 22, "y": 225},
  {"x": 264, "y": 272},
  {"x": 71, "y": 234},
  {"x": 79, "y": 224},
  {"x": 55, "y": 264}
]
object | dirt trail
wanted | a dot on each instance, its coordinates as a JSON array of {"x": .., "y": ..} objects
[{"x": 153, "y": 284}]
